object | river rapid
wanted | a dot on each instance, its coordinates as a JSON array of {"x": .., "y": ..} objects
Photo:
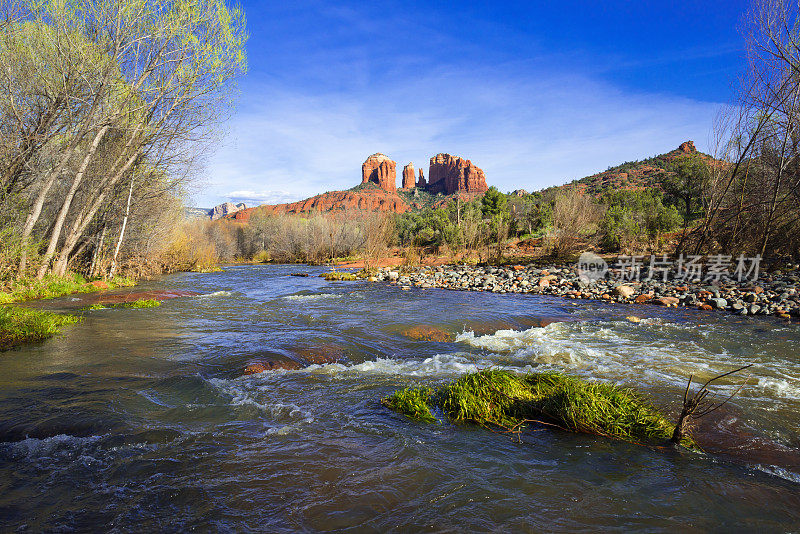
[{"x": 140, "y": 420}]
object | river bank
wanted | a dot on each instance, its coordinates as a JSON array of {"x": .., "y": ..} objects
[{"x": 772, "y": 294}]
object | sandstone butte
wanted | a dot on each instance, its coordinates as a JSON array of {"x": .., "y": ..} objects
[
  {"x": 380, "y": 170},
  {"x": 409, "y": 177},
  {"x": 454, "y": 177}
]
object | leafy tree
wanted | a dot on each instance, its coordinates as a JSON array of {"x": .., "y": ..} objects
[{"x": 494, "y": 203}]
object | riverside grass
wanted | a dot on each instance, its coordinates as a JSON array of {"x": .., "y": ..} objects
[
  {"x": 138, "y": 304},
  {"x": 495, "y": 398},
  {"x": 23, "y": 325},
  {"x": 339, "y": 276},
  {"x": 50, "y": 287}
]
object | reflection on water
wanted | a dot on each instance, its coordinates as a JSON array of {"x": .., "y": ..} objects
[{"x": 141, "y": 419}]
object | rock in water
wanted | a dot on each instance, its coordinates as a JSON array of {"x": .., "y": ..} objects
[{"x": 380, "y": 170}]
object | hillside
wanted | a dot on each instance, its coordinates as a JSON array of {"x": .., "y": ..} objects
[{"x": 640, "y": 174}]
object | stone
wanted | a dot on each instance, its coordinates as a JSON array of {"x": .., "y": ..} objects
[
  {"x": 687, "y": 147},
  {"x": 269, "y": 365},
  {"x": 409, "y": 176},
  {"x": 449, "y": 174},
  {"x": 641, "y": 299},
  {"x": 380, "y": 170},
  {"x": 624, "y": 291},
  {"x": 666, "y": 301},
  {"x": 718, "y": 303},
  {"x": 226, "y": 209},
  {"x": 393, "y": 275},
  {"x": 428, "y": 333},
  {"x": 421, "y": 183}
]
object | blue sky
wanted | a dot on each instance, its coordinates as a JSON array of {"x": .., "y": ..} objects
[{"x": 534, "y": 93}]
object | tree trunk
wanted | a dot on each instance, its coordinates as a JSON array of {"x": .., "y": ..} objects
[
  {"x": 62, "y": 214},
  {"x": 96, "y": 253},
  {"x": 121, "y": 232},
  {"x": 60, "y": 267}
]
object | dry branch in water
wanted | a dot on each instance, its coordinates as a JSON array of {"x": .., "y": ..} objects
[{"x": 695, "y": 407}]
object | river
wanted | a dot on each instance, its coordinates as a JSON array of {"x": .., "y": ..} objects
[{"x": 140, "y": 420}]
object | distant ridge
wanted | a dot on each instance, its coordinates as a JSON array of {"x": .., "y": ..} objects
[{"x": 632, "y": 175}]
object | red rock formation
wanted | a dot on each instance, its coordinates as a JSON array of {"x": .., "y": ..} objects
[
  {"x": 380, "y": 170},
  {"x": 449, "y": 174},
  {"x": 408, "y": 176},
  {"x": 687, "y": 147},
  {"x": 421, "y": 182},
  {"x": 364, "y": 200}
]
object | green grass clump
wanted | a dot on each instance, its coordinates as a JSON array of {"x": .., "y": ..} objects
[
  {"x": 23, "y": 325},
  {"x": 121, "y": 281},
  {"x": 339, "y": 276},
  {"x": 95, "y": 307},
  {"x": 52, "y": 286},
  {"x": 508, "y": 400},
  {"x": 411, "y": 402},
  {"x": 142, "y": 303}
]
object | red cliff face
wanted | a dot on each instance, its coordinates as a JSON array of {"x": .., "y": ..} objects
[
  {"x": 362, "y": 200},
  {"x": 449, "y": 174},
  {"x": 408, "y": 176},
  {"x": 687, "y": 147},
  {"x": 380, "y": 170},
  {"x": 421, "y": 182}
]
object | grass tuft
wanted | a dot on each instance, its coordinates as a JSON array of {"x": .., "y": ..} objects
[
  {"x": 507, "y": 400},
  {"x": 142, "y": 303},
  {"x": 411, "y": 402},
  {"x": 23, "y": 325},
  {"x": 339, "y": 276}
]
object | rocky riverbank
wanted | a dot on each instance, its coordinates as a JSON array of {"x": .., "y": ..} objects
[{"x": 772, "y": 294}]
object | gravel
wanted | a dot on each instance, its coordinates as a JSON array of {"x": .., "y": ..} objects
[{"x": 772, "y": 294}]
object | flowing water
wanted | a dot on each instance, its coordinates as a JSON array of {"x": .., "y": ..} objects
[{"x": 140, "y": 420}]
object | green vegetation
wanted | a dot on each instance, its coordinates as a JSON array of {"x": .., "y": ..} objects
[
  {"x": 634, "y": 215},
  {"x": 339, "y": 276},
  {"x": 49, "y": 287},
  {"x": 508, "y": 400},
  {"x": 412, "y": 402},
  {"x": 104, "y": 135},
  {"x": 52, "y": 286},
  {"x": 143, "y": 303},
  {"x": 23, "y": 325}
]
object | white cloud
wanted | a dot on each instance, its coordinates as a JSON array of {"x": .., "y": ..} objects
[
  {"x": 254, "y": 198},
  {"x": 526, "y": 131}
]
